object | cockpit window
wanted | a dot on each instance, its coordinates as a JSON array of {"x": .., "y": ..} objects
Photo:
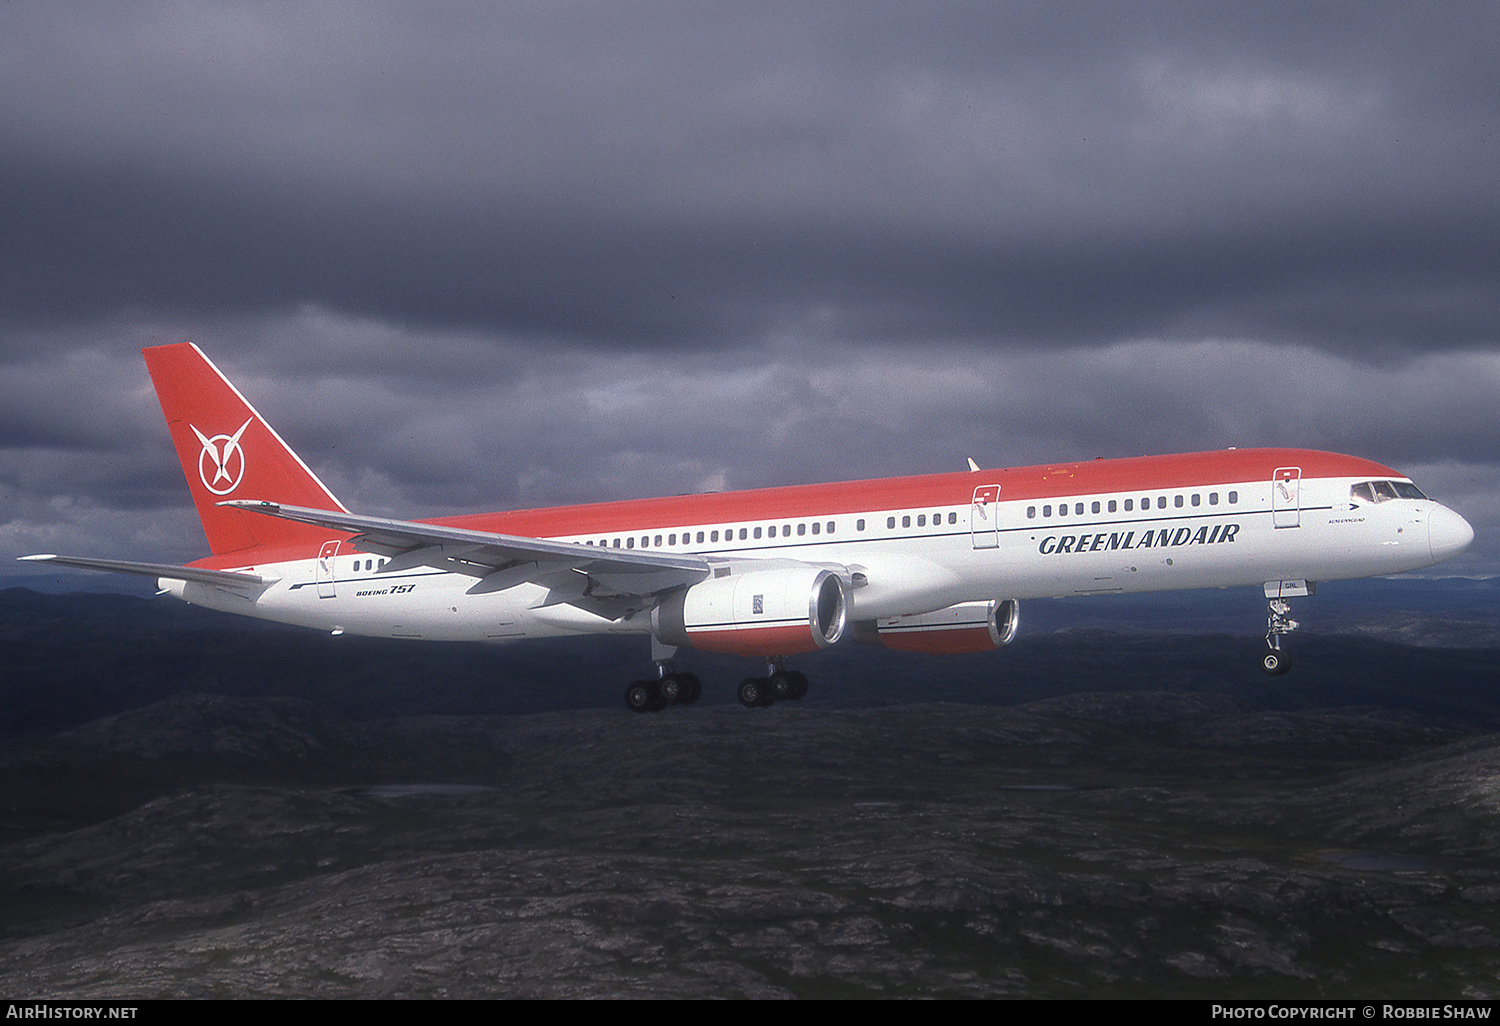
[{"x": 1380, "y": 491}]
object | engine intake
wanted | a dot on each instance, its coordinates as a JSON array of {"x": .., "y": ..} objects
[{"x": 760, "y": 613}]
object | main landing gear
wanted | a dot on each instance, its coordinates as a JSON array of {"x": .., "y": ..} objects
[
  {"x": 671, "y": 688},
  {"x": 674, "y": 688},
  {"x": 778, "y": 684}
]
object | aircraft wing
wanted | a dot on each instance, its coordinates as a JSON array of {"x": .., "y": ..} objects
[
  {"x": 575, "y": 573},
  {"x": 230, "y": 578}
]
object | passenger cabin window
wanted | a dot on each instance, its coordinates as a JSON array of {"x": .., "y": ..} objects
[
  {"x": 859, "y": 525},
  {"x": 906, "y": 521},
  {"x": 922, "y": 520},
  {"x": 1197, "y": 499},
  {"x": 1094, "y": 508},
  {"x": 1213, "y": 498},
  {"x": 1030, "y": 512},
  {"x": 952, "y": 518},
  {"x": 890, "y": 523},
  {"x": 1129, "y": 505},
  {"x": 1234, "y": 497}
]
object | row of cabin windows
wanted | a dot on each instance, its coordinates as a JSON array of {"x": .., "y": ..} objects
[
  {"x": 370, "y": 564},
  {"x": 937, "y": 520},
  {"x": 746, "y": 534},
  {"x": 1178, "y": 501},
  {"x": 755, "y": 533}
]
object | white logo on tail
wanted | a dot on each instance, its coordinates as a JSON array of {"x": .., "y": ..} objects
[{"x": 221, "y": 452}]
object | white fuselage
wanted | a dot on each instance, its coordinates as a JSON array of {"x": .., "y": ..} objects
[{"x": 907, "y": 560}]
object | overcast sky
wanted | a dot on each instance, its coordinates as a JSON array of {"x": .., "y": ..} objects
[{"x": 471, "y": 257}]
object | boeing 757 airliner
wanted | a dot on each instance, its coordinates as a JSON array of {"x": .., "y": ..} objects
[{"x": 928, "y": 564}]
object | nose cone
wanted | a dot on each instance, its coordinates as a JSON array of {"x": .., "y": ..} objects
[{"x": 1447, "y": 533}]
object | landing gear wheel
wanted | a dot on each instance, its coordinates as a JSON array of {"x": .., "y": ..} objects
[
  {"x": 754, "y": 692},
  {"x": 780, "y": 685},
  {"x": 693, "y": 690},
  {"x": 641, "y": 696},
  {"x": 787, "y": 684},
  {"x": 1275, "y": 662},
  {"x": 672, "y": 689},
  {"x": 799, "y": 684}
]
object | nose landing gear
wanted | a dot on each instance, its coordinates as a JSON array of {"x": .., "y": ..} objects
[{"x": 1274, "y": 660}]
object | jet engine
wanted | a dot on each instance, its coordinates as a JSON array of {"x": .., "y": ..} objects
[
  {"x": 774, "y": 612},
  {"x": 965, "y": 627}
]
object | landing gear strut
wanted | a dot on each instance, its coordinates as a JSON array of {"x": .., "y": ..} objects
[
  {"x": 778, "y": 684},
  {"x": 1274, "y": 661}
]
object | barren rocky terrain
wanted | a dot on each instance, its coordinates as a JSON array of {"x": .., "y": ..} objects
[
  {"x": 199, "y": 807},
  {"x": 1094, "y": 844}
]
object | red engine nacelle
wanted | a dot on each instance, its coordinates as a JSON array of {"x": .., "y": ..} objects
[
  {"x": 965, "y": 627},
  {"x": 760, "y": 613}
]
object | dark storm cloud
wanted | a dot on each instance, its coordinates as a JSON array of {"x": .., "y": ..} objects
[
  {"x": 679, "y": 175},
  {"x": 468, "y": 256}
]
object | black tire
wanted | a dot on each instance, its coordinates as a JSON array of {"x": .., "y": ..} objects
[
  {"x": 780, "y": 685},
  {"x": 694, "y": 689},
  {"x": 753, "y": 692},
  {"x": 799, "y": 684},
  {"x": 1274, "y": 662},
  {"x": 671, "y": 689},
  {"x": 640, "y": 696}
]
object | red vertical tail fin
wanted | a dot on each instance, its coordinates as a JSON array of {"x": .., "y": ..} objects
[{"x": 228, "y": 451}]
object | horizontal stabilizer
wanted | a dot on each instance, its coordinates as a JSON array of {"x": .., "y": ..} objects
[{"x": 166, "y": 570}]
